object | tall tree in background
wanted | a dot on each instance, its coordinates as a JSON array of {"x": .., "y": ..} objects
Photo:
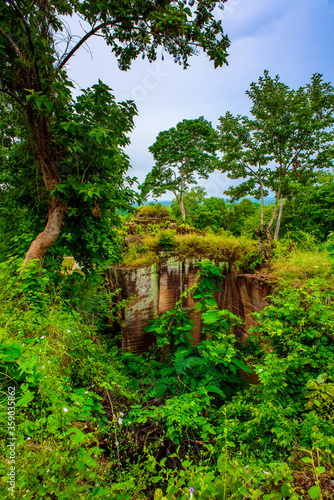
[
  {"x": 297, "y": 129},
  {"x": 181, "y": 153},
  {"x": 191, "y": 199},
  {"x": 71, "y": 153},
  {"x": 245, "y": 156},
  {"x": 289, "y": 135}
]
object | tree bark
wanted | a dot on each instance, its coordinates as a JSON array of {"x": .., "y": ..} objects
[
  {"x": 275, "y": 208},
  {"x": 259, "y": 235},
  {"x": 42, "y": 143},
  {"x": 262, "y": 206},
  {"x": 278, "y": 224},
  {"x": 183, "y": 211},
  {"x": 48, "y": 237}
]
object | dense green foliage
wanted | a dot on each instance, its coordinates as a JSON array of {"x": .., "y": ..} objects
[
  {"x": 94, "y": 129},
  {"x": 92, "y": 421},
  {"x": 69, "y": 151},
  {"x": 289, "y": 135},
  {"x": 214, "y": 419},
  {"x": 311, "y": 209},
  {"x": 216, "y": 214}
]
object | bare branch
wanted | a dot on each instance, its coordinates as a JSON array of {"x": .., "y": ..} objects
[{"x": 80, "y": 42}]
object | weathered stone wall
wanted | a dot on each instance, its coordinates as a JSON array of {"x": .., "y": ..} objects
[{"x": 159, "y": 286}]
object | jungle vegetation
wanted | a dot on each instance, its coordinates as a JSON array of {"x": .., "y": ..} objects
[{"x": 221, "y": 419}]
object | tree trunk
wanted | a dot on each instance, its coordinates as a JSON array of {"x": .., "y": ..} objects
[
  {"x": 263, "y": 233},
  {"x": 262, "y": 206},
  {"x": 259, "y": 235},
  {"x": 275, "y": 208},
  {"x": 48, "y": 237},
  {"x": 278, "y": 224},
  {"x": 183, "y": 211}
]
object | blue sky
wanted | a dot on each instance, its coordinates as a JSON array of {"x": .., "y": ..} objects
[{"x": 292, "y": 38}]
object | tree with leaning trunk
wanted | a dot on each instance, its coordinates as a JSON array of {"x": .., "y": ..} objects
[
  {"x": 181, "y": 153},
  {"x": 33, "y": 78}
]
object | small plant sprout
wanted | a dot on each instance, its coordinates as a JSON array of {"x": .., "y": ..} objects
[{"x": 191, "y": 491}]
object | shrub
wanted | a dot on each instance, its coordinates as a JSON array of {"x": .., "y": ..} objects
[
  {"x": 293, "y": 352},
  {"x": 51, "y": 354},
  {"x": 167, "y": 239}
]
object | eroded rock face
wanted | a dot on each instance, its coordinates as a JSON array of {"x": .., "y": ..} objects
[
  {"x": 158, "y": 287},
  {"x": 244, "y": 294}
]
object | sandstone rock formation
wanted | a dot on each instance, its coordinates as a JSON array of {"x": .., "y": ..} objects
[{"x": 159, "y": 286}]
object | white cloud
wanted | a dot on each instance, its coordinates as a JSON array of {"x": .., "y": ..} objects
[{"x": 292, "y": 39}]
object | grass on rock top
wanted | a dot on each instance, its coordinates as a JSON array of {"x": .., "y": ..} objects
[{"x": 220, "y": 247}]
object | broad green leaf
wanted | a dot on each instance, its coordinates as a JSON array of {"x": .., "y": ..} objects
[
  {"x": 286, "y": 490},
  {"x": 314, "y": 492}
]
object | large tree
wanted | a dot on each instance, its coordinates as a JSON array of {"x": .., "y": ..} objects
[
  {"x": 75, "y": 147},
  {"x": 181, "y": 153},
  {"x": 246, "y": 157},
  {"x": 289, "y": 134},
  {"x": 297, "y": 128}
]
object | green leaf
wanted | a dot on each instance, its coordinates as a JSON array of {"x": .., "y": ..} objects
[
  {"x": 11, "y": 353},
  {"x": 27, "y": 397},
  {"x": 216, "y": 390},
  {"x": 76, "y": 435},
  {"x": 314, "y": 492},
  {"x": 210, "y": 317},
  {"x": 210, "y": 302},
  {"x": 286, "y": 490},
  {"x": 307, "y": 460}
]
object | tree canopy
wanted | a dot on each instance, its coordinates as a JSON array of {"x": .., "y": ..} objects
[
  {"x": 297, "y": 127},
  {"x": 57, "y": 128},
  {"x": 245, "y": 156},
  {"x": 181, "y": 153},
  {"x": 288, "y": 136}
]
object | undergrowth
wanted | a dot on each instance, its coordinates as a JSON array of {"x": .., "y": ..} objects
[
  {"x": 179, "y": 422},
  {"x": 295, "y": 264}
]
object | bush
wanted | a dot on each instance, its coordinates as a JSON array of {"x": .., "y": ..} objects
[
  {"x": 167, "y": 239},
  {"x": 60, "y": 371},
  {"x": 292, "y": 350}
]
